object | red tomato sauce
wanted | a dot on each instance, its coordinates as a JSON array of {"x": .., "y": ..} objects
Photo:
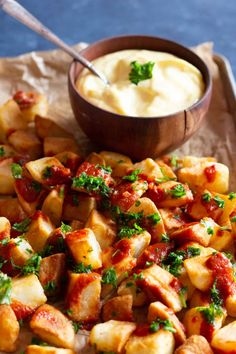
[
  {"x": 59, "y": 175},
  {"x": 210, "y": 173},
  {"x": 26, "y": 190},
  {"x": 122, "y": 250},
  {"x": 207, "y": 330},
  {"x": 155, "y": 253},
  {"x": 127, "y": 193},
  {"x": 25, "y": 100},
  {"x": 142, "y": 330}
]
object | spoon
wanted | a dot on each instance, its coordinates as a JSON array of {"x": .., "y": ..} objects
[{"x": 14, "y": 9}]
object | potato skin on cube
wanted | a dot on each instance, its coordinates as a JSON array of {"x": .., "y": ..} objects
[
  {"x": 6, "y": 178},
  {"x": 224, "y": 340},
  {"x": 53, "y": 205},
  {"x": 78, "y": 207},
  {"x": 5, "y": 228},
  {"x": 84, "y": 247},
  {"x": 111, "y": 336},
  {"x": 118, "y": 308},
  {"x": 161, "y": 342},
  {"x": 31, "y": 104},
  {"x": 83, "y": 296},
  {"x": 55, "y": 145},
  {"x": 119, "y": 163},
  {"x": 195, "y": 345},
  {"x": 9, "y": 329},
  {"x": 149, "y": 168},
  {"x": 38, "y": 349},
  {"x": 12, "y": 210},
  {"x": 46, "y": 127},
  {"x": 26, "y": 142},
  {"x": 53, "y": 327},
  {"x": 199, "y": 274}
]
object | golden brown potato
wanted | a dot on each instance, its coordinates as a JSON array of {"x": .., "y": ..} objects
[
  {"x": 118, "y": 308},
  {"x": 26, "y": 142},
  {"x": 166, "y": 170},
  {"x": 111, "y": 336},
  {"x": 27, "y": 295},
  {"x": 84, "y": 247},
  {"x": 119, "y": 163},
  {"x": 11, "y": 119},
  {"x": 9, "y": 329},
  {"x": 149, "y": 168},
  {"x": 96, "y": 159},
  {"x": 129, "y": 287},
  {"x": 53, "y": 205},
  {"x": 195, "y": 345},
  {"x": 159, "y": 310},
  {"x": 199, "y": 299},
  {"x": 46, "y": 127},
  {"x": 19, "y": 250},
  {"x": 5, "y": 228},
  {"x": 104, "y": 228},
  {"x": 161, "y": 342},
  {"x": 52, "y": 270},
  {"x": 222, "y": 240},
  {"x": 11, "y": 209},
  {"x": 199, "y": 274},
  {"x": 83, "y": 296},
  {"x": 53, "y": 327},
  {"x": 6, "y": 178},
  {"x": 78, "y": 207},
  {"x": 6, "y": 151},
  {"x": 173, "y": 219},
  {"x": 224, "y": 340},
  {"x": 38, "y": 167},
  {"x": 31, "y": 104},
  {"x": 39, "y": 231},
  {"x": 38, "y": 349},
  {"x": 55, "y": 145}
]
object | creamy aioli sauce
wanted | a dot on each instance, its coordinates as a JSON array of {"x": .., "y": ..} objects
[{"x": 175, "y": 84}]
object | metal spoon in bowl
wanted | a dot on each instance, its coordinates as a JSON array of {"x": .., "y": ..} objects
[{"x": 14, "y": 9}]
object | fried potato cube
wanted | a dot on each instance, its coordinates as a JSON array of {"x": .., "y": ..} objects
[
  {"x": 229, "y": 207},
  {"x": 119, "y": 163},
  {"x": 27, "y": 295},
  {"x": 230, "y": 305},
  {"x": 129, "y": 287},
  {"x": 37, "y": 168},
  {"x": 26, "y": 142},
  {"x": 6, "y": 178},
  {"x": 104, "y": 228},
  {"x": 55, "y": 145},
  {"x": 191, "y": 161},
  {"x": 11, "y": 119},
  {"x": 39, "y": 231},
  {"x": 31, "y": 104},
  {"x": 166, "y": 170},
  {"x": 84, "y": 247},
  {"x": 76, "y": 225},
  {"x": 52, "y": 270},
  {"x": 199, "y": 298},
  {"x": 200, "y": 232},
  {"x": 118, "y": 308},
  {"x": 158, "y": 284},
  {"x": 53, "y": 205},
  {"x": 173, "y": 218},
  {"x": 69, "y": 159},
  {"x": 10, "y": 329},
  {"x": 111, "y": 336},
  {"x": 11, "y": 209},
  {"x": 196, "y": 323},
  {"x": 6, "y": 151},
  {"x": 53, "y": 327},
  {"x": 199, "y": 274},
  {"x": 161, "y": 342},
  {"x": 78, "y": 207},
  {"x": 221, "y": 240},
  {"x": 19, "y": 250},
  {"x": 83, "y": 296},
  {"x": 39, "y": 349},
  {"x": 195, "y": 345},
  {"x": 212, "y": 176},
  {"x": 159, "y": 310},
  {"x": 5, "y": 228},
  {"x": 224, "y": 340},
  {"x": 139, "y": 243},
  {"x": 169, "y": 194},
  {"x": 149, "y": 168},
  {"x": 96, "y": 159},
  {"x": 149, "y": 209},
  {"x": 48, "y": 128}
]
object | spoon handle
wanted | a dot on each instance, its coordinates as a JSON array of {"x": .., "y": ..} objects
[{"x": 14, "y": 9}]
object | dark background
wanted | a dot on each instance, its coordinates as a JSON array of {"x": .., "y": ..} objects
[{"x": 187, "y": 21}]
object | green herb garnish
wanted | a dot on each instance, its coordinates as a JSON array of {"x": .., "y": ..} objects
[
  {"x": 5, "y": 289},
  {"x": 37, "y": 186},
  {"x": 232, "y": 195},
  {"x": 128, "y": 232},
  {"x": 91, "y": 184},
  {"x": 2, "y": 151},
  {"x": 140, "y": 72},
  {"x": 109, "y": 277},
  {"x": 22, "y": 226},
  {"x": 182, "y": 293},
  {"x": 50, "y": 287},
  {"x": 210, "y": 312},
  {"x": 165, "y": 238},
  {"x": 81, "y": 268},
  {"x": 178, "y": 191},
  {"x": 16, "y": 170},
  {"x": 206, "y": 197},
  {"x": 193, "y": 251},
  {"x": 133, "y": 176},
  {"x": 155, "y": 218},
  {"x": 165, "y": 324},
  {"x": 65, "y": 228},
  {"x": 47, "y": 172},
  {"x": 32, "y": 265},
  {"x": 220, "y": 202}
]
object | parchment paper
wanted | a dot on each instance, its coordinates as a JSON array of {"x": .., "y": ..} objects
[{"x": 46, "y": 72}]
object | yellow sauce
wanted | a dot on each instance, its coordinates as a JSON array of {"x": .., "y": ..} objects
[{"x": 175, "y": 84}]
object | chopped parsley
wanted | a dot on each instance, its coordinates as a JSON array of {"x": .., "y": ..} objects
[
  {"x": 233, "y": 219},
  {"x": 220, "y": 202},
  {"x": 215, "y": 295},
  {"x": 5, "y": 289},
  {"x": 210, "y": 312},
  {"x": 4, "y": 241},
  {"x": 165, "y": 238},
  {"x": 155, "y": 218},
  {"x": 106, "y": 169},
  {"x": 65, "y": 228},
  {"x": 75, "y": 200},
  {"x": 133, "y": 176},
  {"x": 76, "y": 326},
  {"x": 174, "y": 261},
  {"x": 47, "y": 172},
  {"x": 2, "y": 262},
  {"x": 16, "y": 170},
  {"x": 50, "y": 287},
  {"x": 173, "y": 161},
  {"x": 165, "y": 324},
  {"x": 206, "y": 197},
  {"x": 47, "y": 251},
  {"x": 32, "y": 265},
  {"x": 91, "y": 184},
  {"x": 109, "y": 277},
  {"x": 137, "y": 203},
  {"x": 22, "y": 226},
  {"x": 210, "y": 231},
  {"x": 37, "y": 341},
  {"x": 138, "y": 276},
  {"x": 140, "y": 72},
  {"x": 182, "y": 293},
  {"x": 2, "y": 151},
  {"x": 128, "y": 232},
  {"x": 61, "y": 192},
  {"x": 232, "y": 195},
  {"x": 178, "y": 191},
  {"x": 148, "y": 264},
  {"x": 37, "y": 186},
  {"x": 81, "y": 268},
  {"x": 193, "y": 251}
]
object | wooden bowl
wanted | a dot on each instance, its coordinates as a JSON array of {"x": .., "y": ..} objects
[{"x": 138, "y": 137}]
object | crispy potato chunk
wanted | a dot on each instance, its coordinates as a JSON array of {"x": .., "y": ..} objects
[
  {"x": 19, "y": 250},
  {"x": 213, "y": 176},
  {"x": 78, "y": 207},
  {"x": 6, "y": 178},
  {"x": 129, "y": 287},
  {"x": 46, "y": 127},
  {"x": 6, "y": 151},
  {"x": 83, "y": 296},
  {"x": 55, "y": 145},
  {"x": 11, "y": 119},
  {"x": 84, "y": 247},
  {"x": 104, "y": 228},
  {"x": 11, "y": 209},
  {"x": 119, "y": 163},
  {"x": 53, "y": 205},
  {"x": 31, "y": 104},
  {"x": 53, "y": 327},
  {"x": 26, "y": 296},
  {"x": 26, "y": 142},
  {"x": 38, "y": 167},
  {"x": 195, "y": 345},
  {"x": 5, "y": 228},
  {"x": 39, "y": 231},
  {"x": 10, "y": 329},
  {"x": 38, "y": 349},
  {"x": 224, "y": 340},
  {"x": 111, "y": 336},
  {"x": 118, "y": 308},
  {"x": 200, "y": 275},
  {"x": 173, "y": 218},
  {"x": 161, "y": 342},
  {"x": 149, "y": 168},
  {"x": 159, "y": 310}
]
